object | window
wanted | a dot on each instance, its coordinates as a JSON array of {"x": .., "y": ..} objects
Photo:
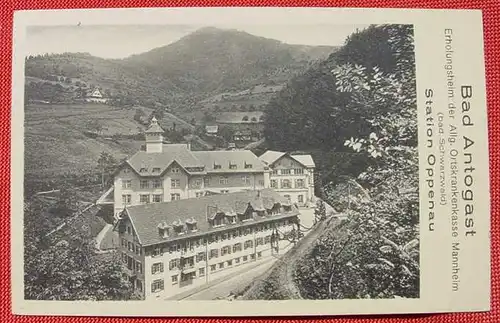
[
  {"x": 157, "y": 198},
  {"x": 197, "y": 182},
  {"x": 175, "y": 170},
  {"x": 124, "y": 242},
  {"x": 126, "y": 171},
  {"x": 223, "y": 180},
  {"x": 299, "y": 183},
  {"x": 175, "y": 183},
  {"x": 129, "y": 230},
  {"x": 221, "y": 265},
  {"x": 175, "y": 196},
  {"x": 214, "y": 253},
  {"x": 157, "y": 183},
  {"x": 217, "y": 166},
  {"x": 206, "y": 181},
  {"x": 300, "y": 198},
  {"x": 200, "y": 257},
  {"x": 124, "y": 257},
  {"x": 285, "y": 172},
  {"x": 126, "y": 199},
  {"x": 246, "y": 180},
  {"x": 287, "y": 197},
  {"x": 245, "y": 258},
  {"x": 252, "y": 256},
  {"x": 232, "y": 166},
  {"x": 138, "y": 267},
  {"x": 174, "y": 264},
  {"x": 274, "y": 183},
  {"x": 248, "y": 165},
  {"x": 199, "y": 194},
  {"x": 213, "y": 267},
  {"x": 137, "y": 250},
  {"x": 144, "y": 198},
  {"x": 157, "y": 285},
  {"x": 201, "y": 272},
  {"x": 229, "y": 263},
  {"x": 237, "y": 260},
  {"x": 143, "y": 170},
  {"x": 275, "y": 172},
  {"x": 157, "y": 251},
  {"x": 157, "y": 268},
  {"x": 248, "y": 244},
  {"x": 267, "y": 239},
  {"x": 285, "y": 183},
  {"x": 127, "y": 183},
  {"x": 138, "y": 284},
  {"x": 225, "y": 250},
  {"x": 259, "y": 241},
  {"x": 259, "y": 254},
  {"x": 144, "y": 184},
  {"x": 156, "y": 170},
  {"x": 130, "y": 247},
  {"x": 261, "y": 182},
  {"x": 224, "y": 191},
  {"x": 237, "y": 247},
  {"x": 298, "y": 171},
  {"x": 175, "y": 279}
]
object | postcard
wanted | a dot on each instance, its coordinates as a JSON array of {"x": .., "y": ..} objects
[{"x": 249, "y": 162}]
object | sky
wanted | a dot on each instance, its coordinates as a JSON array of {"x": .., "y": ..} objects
[{"x": 123, "y": 41}]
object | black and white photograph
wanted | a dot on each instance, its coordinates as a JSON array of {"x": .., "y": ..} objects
[{"x": 233, "y": 162}]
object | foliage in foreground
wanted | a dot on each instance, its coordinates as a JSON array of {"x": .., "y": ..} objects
[
  {"x": 67, "y": 269},
  {"x": 375, "y": 254}
]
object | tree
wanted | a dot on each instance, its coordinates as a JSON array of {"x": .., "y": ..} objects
[
  {"x": 106, "y": 164},
  {"x": 69, "y": 270},
  {"x": 320, "y": 211}
]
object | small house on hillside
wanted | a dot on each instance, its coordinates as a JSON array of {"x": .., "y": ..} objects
[
  {"x": 211, "y": 131},
  {"x": 95, "y": 96}
]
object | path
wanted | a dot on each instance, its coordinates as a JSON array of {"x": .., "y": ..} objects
[{"x": 102, "y": 234}]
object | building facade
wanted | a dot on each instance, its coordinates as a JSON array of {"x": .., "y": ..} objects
[
  {"x": 291, "y": 175},
  {"x": 96, "y": 97},
  {"x": 169, "y": 172},
  {"x": 169, "y": 248}
]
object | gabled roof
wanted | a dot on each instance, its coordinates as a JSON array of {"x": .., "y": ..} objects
[
  {"x": 211, "y": 129},
  {"x": 154, "y": 127},
  {"x": 147, "y": 217},
  {"x": 225, "y": 157},
  {"x": 270, "y": 157},
  {"x": 162, "y": 160}
]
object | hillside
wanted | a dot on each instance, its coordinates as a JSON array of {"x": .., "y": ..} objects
[
  {"x": 210, "y": 64},
  {"x": 56, "y": 138}
]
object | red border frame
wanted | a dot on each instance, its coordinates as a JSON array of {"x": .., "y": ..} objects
[{"x": 491, "y": 14}]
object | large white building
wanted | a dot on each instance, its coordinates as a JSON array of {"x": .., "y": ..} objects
[
  {"x": 292, "y": 175},
  {"x": 169, "y": 172},
  {"x": 170, "y": 248}
]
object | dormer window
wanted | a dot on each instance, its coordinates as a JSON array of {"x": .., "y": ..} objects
[
  {"x": 126, "y": 170},
  {"x": 232, "y": 166},
  {"x": 156, "y": 170},
  {"x": 217, "y": 166},
  {"x": 178, "y": 227},
  {"x": 175, "y": 169},
  {"x": 143, "y": 170},
  {"x": 164, "y": 229},
  {"x": 191, "y": 225},
  {"x": 247, "y": 166}
]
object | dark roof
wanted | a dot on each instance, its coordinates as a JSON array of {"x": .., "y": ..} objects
[
  {"x": 238, "y": 117},
  {"x": 147, "y": 217},
  {"x": 225, "y": 157},
  {"x": 171, "y": 153}
]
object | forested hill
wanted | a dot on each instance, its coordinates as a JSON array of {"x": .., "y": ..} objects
[
  {"x": 200, "y": 65},
  {"x": 311, "y": 112}
]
